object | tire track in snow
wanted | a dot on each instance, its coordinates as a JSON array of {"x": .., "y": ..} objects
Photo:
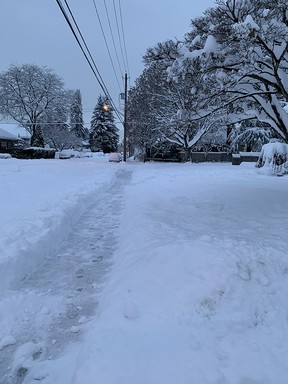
[{"x": 63, "y": 293}]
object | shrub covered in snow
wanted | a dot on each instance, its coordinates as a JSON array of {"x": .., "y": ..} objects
[
  {"x": 274, "y": 155},
  {"x": 5, "y": 156},
  {"x": 34, "y": 153}
]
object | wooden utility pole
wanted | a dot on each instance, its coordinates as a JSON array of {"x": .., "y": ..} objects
[{"x": 125, "y": 119}]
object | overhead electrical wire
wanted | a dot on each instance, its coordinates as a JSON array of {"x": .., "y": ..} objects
[
  {"x": 94, "y": 69},
  {"x": 59, "y": 123},
  {"x": 79, "y": 43},
  {"x": 106, "y": 43},
  {"x": 123, "y": 35},
  {"x": 119, "y": 37},
  {"x": 76, "y": 24},
  {"x": 113, "y": 40}
]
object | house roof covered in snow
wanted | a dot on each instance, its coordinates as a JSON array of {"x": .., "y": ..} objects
[
  {"x": 7, "y": 135},
  {"x": 16, "y": 130}
]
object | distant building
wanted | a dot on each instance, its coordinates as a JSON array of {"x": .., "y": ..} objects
[
  {"x": 7, "y": 140},
  {"x": 11, "y": 134}
]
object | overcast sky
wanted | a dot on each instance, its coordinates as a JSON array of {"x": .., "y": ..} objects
[{"x": 35, "y": 32}]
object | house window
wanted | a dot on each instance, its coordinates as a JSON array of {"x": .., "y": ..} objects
[{"x": 3, "y": 145}]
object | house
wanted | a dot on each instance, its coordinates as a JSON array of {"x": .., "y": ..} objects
[
  {"x": 7, "y": 140},
  {"x": 10, "y": 134},
  {"x": 18, "y": 131}
]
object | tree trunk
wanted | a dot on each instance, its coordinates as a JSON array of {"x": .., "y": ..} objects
[
  {"x": 188, "y": 151},
  {"x": 37, "y": 139}
]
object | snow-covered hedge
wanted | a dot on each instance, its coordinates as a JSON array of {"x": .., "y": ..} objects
[
  {"x": 274, "y": 156},
  {"x": 35, "y": 153}
]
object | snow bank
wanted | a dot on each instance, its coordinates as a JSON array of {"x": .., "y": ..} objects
[{"x": 40, "y": 201}]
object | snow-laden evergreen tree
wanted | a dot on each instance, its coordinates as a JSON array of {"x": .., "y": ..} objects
[
  {"x": 103, "y": 132},
  {"x": 76, "y": 117}
]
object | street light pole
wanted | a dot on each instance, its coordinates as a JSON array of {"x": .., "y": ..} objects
[{"x": 125, "y": 119}]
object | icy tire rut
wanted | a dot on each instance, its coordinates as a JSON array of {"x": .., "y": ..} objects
[{"x": 73, "y": 275}]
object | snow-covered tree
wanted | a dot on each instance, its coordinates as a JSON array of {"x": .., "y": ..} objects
[
  {"x": 248, "y": 64},
  {"x": 146, "y": 103},
  {"x": 249, "y": 136},
  {"x": 28, "y": 93},
  {"x": 103, "y": 132},
  {"x": 56, "y": 130},
  {"x": 76, "y": 117},
  {"x": 60, "y": 137},
  {"x": 171, "y": 94},
  {"x": 232, "y": 64}
]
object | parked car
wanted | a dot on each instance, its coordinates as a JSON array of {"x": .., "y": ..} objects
[
  {"x": 115, "y": 157},
  {"x": 64, "y": 155}
]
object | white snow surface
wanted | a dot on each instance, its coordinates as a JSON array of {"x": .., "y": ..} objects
[
  {"x": 251, "y": 23},
  {"x": 210, "y": 44},
  {"x": 194, "y": 280}
]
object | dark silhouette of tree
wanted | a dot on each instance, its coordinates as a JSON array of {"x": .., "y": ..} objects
[{"x": 76, "y": 117}]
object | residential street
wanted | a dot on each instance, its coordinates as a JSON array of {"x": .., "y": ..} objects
[{"x": 172, "y": 273}]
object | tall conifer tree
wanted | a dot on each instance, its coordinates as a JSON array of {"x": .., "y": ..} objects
[
  {"x": 103, "y": 133},
  {"x": 76, "y": 117}
]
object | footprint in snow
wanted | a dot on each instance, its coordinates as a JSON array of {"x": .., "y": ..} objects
[{"x": 80, "y": 273}]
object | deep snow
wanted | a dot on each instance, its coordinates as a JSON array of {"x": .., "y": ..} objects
[{"x": 142, "y": 273}]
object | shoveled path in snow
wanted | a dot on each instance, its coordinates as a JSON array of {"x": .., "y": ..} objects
[{"x": 62, "y": 294}]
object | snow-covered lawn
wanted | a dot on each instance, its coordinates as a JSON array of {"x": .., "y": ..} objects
[{"x": 197, "y": 287}]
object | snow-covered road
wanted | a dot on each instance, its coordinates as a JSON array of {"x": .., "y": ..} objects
[
  {"x": 168, "y": 273},
  {"x": 51, "y": 307}
]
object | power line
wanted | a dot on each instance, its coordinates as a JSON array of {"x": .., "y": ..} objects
[
  {"x": 79, "y": 43},
  {"x": 75, "y": 22},
  {"x": 47, "y": 123},
  {"x": 112, "y": 36},
  {"x": 119, "y": 37},
  {"x": 94, "y": 69},
  {"x": 123, "y": 34},
  {"x": 109, "y": 53}
]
